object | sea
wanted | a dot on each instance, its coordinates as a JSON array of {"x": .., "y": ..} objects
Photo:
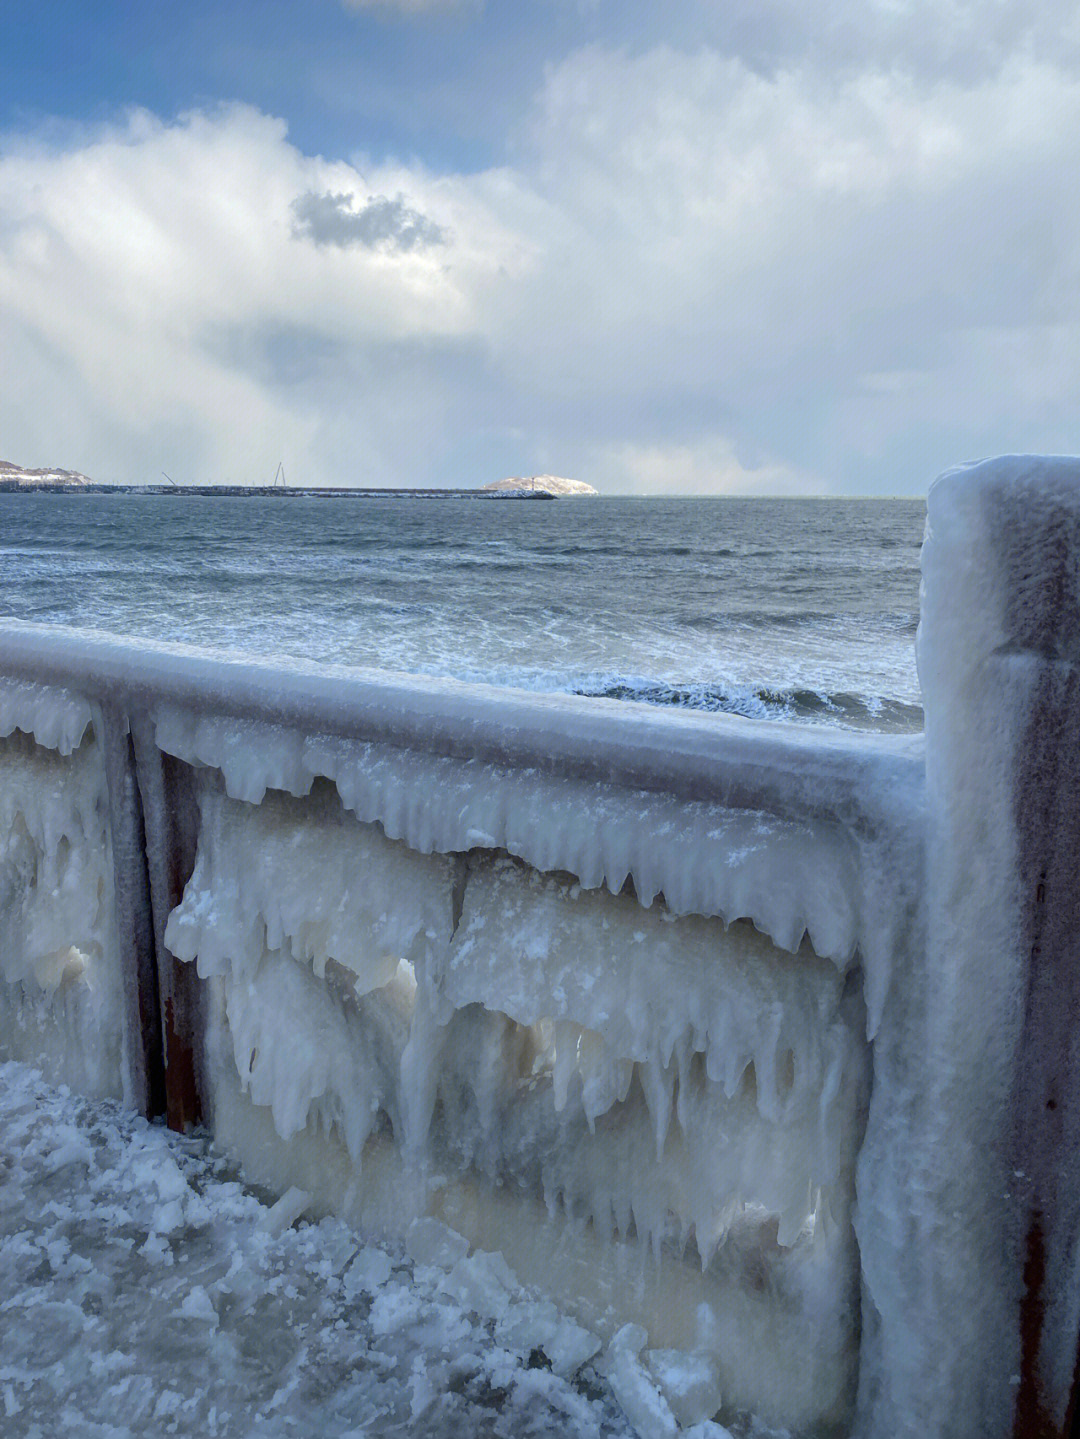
[{"x": 799, "y": 609}]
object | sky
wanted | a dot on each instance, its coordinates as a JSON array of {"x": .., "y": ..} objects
[{"x": 704, "y": 247}]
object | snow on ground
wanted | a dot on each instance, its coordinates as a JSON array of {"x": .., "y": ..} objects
[{"x": 145, "y": 1291}]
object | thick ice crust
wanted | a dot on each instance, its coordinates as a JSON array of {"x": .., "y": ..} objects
[
  {"x": 59, "y": 987},
  {"x": 802, "y": 833},
  {"x": 973, "y": 1158},
  {"x": 54, "y": 716},
  {"x": 590, "y": 1087},
  {"x": 829, "y": 876}
]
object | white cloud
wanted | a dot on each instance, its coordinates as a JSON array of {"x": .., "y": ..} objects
[
  {"x": 861, "y": 273},
  {"x": 152, "y": 278},
  {"x": 707, "y": 467},
  {"x": 752, "y": 247}
]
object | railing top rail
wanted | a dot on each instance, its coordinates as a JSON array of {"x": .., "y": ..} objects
[{"x": 776, "y": 766}]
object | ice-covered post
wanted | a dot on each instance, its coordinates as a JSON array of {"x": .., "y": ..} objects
[{"x": 995, "y": 1195}]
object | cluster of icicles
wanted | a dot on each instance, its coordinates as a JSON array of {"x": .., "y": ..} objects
[
  {"x": 825, "y": 875},
  {"x": 651, "y": 1074},
  {"x": 59, "y": 986}
]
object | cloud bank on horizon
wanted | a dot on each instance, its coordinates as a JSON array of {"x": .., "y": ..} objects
[{"x": 748, "y": 252}]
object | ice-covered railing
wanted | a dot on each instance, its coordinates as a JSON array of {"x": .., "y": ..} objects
[{"x": 713, "y": 1029}]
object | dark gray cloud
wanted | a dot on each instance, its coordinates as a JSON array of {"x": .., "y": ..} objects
[{"x": 331, "y": 219}]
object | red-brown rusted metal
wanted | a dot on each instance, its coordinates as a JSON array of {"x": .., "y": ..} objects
[{"x": 171, "y": 817}]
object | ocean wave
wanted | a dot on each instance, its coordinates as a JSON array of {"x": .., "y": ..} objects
[{"x": 761, "y": 702}]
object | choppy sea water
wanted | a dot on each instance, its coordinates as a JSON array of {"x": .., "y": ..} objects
[{"x": 790, "y": 608}]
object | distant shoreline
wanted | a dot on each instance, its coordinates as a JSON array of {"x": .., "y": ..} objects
[{"x": 22, "y": 487}]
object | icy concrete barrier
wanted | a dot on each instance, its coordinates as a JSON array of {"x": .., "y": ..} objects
[
  {"x": 972, "y": 1240},
  {"x": 623, "y": 994}
]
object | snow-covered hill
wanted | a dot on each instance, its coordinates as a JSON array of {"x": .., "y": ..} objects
[
  {"x": 546, "y": 484},
  {"x": 8, "y": 471}
]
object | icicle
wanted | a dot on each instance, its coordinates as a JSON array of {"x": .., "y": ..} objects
[
  {"x": 658, "y": 1087},
  {"x": 566, "y": 1044},
  {"x": 623, "y": 1215},
  {"x": 682, "y": 1076},
  {"x": 420, "y": 1075},
  {"x": 600, "y": 1212},
  {"x": 765, "y": 1067},
  {"x": 793, "y": 1217}
]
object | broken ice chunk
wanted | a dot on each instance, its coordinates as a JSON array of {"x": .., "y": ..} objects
[
  {"x": 481, "y": 1283},
  {"x": 429, "y": 1241},
  {"x": 640, "y": 1400},
  {"x": 368, "y": 1272},
  {"x": 285, "y": 1212},
  {"x": 689, "y": 1383},
  {"x": 198, "y": 1305}
]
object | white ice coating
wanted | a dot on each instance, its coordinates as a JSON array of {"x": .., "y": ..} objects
[
  {"x": 55, "y": 717},
  {"x": 613, "y": 992},
  {"x": 963, "y": 1155},
  {"x": 310, "y": 879},
  {"x": 801, "y": 832},
  {"x": 846, "y": 887},
  {"x": 660, "y": 1081},
  {"x": 284, "y": 897},
  {"x": 59, "y": 986}
]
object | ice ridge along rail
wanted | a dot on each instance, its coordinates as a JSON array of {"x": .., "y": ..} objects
[{"x": 752, "y": 1047}]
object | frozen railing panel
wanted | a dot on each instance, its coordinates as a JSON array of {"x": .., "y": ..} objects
[
  {"x": 60, "y": 985},
  {"x": 649, "y": 1115}
]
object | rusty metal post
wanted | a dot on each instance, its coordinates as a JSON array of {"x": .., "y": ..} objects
[
  {"x": 143, "y": 1079},
  {"x": 1045, "y": 1134},
  {"x": 171, "y": 823}
]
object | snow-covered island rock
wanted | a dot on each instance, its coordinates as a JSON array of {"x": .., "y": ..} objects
[
  {"x": 15, "y": 476},
  {"x": 538, "y": 484}
]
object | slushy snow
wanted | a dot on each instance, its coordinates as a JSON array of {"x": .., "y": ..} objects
[{"x": 144, "y": 1291}]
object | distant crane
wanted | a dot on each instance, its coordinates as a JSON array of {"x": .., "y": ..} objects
[
  {"x": 279, "y": 477},
  {"x": 171, "y": 481}
]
